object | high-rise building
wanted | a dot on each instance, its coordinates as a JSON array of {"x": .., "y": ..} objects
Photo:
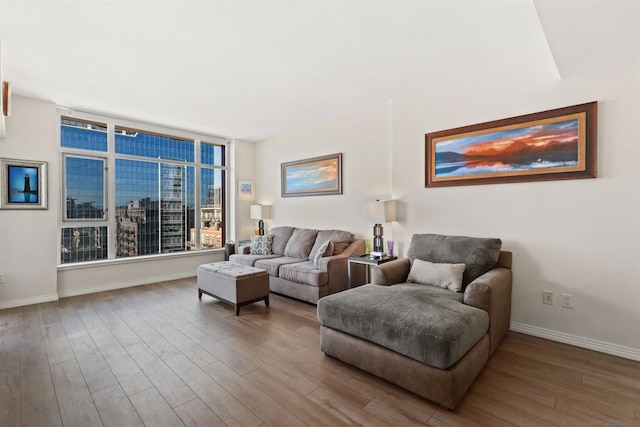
[
  {"x": 137, "y": 228},
  {"x": 215, "y": 195},
  {"x": 172, "y": 208},
  {"x": 211, "y": 218}
]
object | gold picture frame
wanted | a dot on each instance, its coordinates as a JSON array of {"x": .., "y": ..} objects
[
  {"x": 549, "y": 145},
  {"x": 317, "y": 176}
]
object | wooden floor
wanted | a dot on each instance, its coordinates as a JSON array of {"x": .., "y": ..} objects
[{"x": 155, "y": 355}]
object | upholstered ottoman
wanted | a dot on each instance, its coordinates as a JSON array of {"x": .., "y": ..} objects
[{"x": 234, "y": 283}]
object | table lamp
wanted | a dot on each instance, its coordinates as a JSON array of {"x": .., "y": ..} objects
[
  {"x": 379, "y": 212},
  {"x": 261, "y": 212}
]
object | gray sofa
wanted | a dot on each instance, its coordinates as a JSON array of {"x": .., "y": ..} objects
[
  {"x": 428, "y": 339},
  {"x": 291, "y": 267}
]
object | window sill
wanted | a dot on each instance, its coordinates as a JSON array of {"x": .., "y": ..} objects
[{"x": 137, "y": 259}]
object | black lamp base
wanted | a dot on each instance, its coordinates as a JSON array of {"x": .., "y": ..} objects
[
  {"x": 261, "y": 227},
  {"x": 378, "y": 241}
]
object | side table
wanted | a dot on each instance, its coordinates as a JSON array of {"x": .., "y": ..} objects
[{"x": 368, "y": 260}]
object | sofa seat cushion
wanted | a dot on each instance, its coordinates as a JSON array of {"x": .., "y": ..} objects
[
  {"x": 272, "y": 265},
  {"x": 249, "y": 260},
  {"x": 304, "y": 272},
  {"x": 435, "y": 291},
  {"x": 431, "y": 329}
]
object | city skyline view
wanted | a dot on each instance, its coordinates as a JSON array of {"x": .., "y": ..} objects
[{"x": 155, "y": 192}]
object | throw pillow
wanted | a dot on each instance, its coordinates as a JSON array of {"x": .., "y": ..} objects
[
  {"x": 448, "y": 276},
  {"x": 260, "y": 245},
  {"x": 322, "y": 250},
  {"x": 478, "y": 254}
]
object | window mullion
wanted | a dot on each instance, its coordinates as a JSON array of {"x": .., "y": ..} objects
[
  {"x": 111, "y": 192},
  {"x": 197, "y": 208}
]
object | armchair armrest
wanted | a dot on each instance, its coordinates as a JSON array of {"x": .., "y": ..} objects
[
  {"x": 491, "y": 292},
  {"x": 391, "y": 272}
]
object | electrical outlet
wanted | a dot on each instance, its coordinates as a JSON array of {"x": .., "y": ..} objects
[
  {"x": 547, "y": 297},
  {"x": 567, "y": 300}
]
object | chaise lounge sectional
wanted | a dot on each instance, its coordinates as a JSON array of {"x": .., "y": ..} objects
[{"x": 413, "y": 327}]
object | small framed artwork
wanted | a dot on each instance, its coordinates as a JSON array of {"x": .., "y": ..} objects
[
  {"x": 245, "y": 189},
  {"x": 23, "y": 184},
  {"x": 549, "y": 145},
  {"x": 317, "y": 176}
]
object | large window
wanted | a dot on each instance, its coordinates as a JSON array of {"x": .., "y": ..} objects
[{"x": 131, "y": 192}]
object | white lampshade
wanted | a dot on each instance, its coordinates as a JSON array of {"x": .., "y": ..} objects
[
  {"x": 260, "y": 211},
  {"x": 379, "y": 211}
]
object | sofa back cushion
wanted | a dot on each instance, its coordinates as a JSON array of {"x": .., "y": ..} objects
[
  {"x": 479, "y": 255},
  {"x": 341, "y": 239},
  {"x": 281, "y": 236},
  {"x": 300, "y": 243}
]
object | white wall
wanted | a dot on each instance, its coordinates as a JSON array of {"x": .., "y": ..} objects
[
  {"x": 365, "y": 143},
  {"x": 242, "y": 169},
  {"x": 74, "y": 280},
  {"x": 581, "y": 237},
  {"x": 28, "y": 253}
]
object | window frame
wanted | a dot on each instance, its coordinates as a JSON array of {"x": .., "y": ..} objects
[
  {"x": 84, "y": 154},
  {"x": 110, "y": 156}
]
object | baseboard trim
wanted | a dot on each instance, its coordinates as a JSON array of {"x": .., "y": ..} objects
[
  {"x": 121, "y": 285},
  {"x": 588, "y": 343},
  {"x": 28, "y": 301}
]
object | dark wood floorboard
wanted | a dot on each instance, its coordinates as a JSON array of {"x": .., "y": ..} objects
[{"x": 157, "y": 355}]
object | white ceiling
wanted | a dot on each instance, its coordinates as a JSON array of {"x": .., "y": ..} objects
[{"x": 255, "y": 69}]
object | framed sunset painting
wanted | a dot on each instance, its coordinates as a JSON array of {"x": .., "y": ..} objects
[
  {"x": 312, "y": 177},
  {"x": 550, "y": 145}
]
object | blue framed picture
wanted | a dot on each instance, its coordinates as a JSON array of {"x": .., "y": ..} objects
[{"x": 23, "y": 184}]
